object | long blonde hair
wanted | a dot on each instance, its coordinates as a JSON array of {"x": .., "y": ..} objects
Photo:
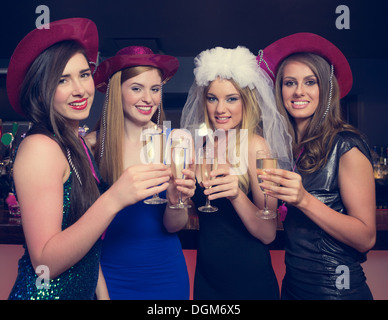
[
  {"x": 250, "y": 121},
  {"x": 111, "y": 161}
]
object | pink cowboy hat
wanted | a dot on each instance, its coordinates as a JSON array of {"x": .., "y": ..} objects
[
  {"x": 134, "y": 56},
  {"x": 271, "y": 57},
  {"x": 82, "y": 30}
]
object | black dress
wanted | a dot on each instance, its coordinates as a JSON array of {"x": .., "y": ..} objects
[
  {"x": 231, "y": 263},
  {"x": 318, "y": 267}
]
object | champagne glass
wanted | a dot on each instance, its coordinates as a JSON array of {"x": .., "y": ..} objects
[
  {"x": 207, "y": 163},
  {"x": 179, "y": 161},
  {"x": 153, "y": 150},
  {"x": 266, "y": 160}
]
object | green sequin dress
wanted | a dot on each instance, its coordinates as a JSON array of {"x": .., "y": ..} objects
[{"x": 77, "y": 283}]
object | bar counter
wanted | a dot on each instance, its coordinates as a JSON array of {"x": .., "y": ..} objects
[{"x": 11, "y": 232}]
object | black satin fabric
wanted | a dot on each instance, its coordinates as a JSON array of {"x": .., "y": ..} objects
[
  {"x": 313, "y": 256},
  {"x": 231, "y": 263}
]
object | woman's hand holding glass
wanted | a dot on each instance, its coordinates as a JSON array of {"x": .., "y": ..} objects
[
  {"x": 284, "y": 185},
  {"x": 216, "y": 179},
  {"x": 265, "y": 160},
  {"x": 222, "y": 185},
  {"x": 139, "y": 182}
]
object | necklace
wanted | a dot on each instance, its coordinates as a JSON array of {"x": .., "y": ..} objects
[{"x": 282, "y": 210}]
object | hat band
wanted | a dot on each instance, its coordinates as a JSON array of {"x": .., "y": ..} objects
[
  {"x": 330, "y": 95},
  {"x": 104, "y": 120},
  {"x": 95, "y": 67}
]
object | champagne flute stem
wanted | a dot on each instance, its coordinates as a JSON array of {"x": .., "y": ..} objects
[
  {"x": 180, "y": 198},
  {"x": 207, "y": 202},
  {"x": 265, "y": 202}
]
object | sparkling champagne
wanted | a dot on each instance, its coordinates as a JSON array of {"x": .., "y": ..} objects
[
  {"x": 153, "y": 147},
  {"x": 178, "y": 162},
  {"x": 266, "y": 163},
  {"x": 206, "y": 168}
]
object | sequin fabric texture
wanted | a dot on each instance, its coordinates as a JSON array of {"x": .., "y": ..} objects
[{"x": 77, "y": 283}]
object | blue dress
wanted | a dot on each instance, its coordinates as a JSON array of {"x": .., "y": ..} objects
[
  {"x": 140, "y": 259},
  {"x": 77, "y": 283}
]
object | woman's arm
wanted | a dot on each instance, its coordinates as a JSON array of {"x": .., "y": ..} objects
[
  {"x": 40, "y": 170},
  {"x": 357, "y": 188}
]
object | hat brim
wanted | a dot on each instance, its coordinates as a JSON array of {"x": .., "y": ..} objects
[
  {"x": 276, "y": 52},
  {"x": 81, "y": 30},
  {"x": 167, "y": 64}
]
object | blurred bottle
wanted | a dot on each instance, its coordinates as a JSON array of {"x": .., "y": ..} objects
[
  {"x": 380, "y": 166},
  {"x": 384, "y": 168}
]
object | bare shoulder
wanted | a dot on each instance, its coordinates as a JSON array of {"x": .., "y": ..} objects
[
  {"x": 35, "y": 144},
  {"x": 37, "y": 154}
]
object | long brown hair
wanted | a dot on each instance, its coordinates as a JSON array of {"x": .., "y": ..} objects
[
  {"x": 318, "y": 137},
  {"x": 111, "y": 162},
  {"x": 37, "y": 94}
]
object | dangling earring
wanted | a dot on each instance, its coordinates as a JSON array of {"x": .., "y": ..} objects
[
  {"x": 158, "y": 122},
  {"x": 104, "y": 111},
  {"x": 330, "y": 94},
  {"x": 260, "y": 54}
]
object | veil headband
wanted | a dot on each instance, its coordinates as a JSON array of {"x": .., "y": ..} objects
[{"x": 240, "y": 65}]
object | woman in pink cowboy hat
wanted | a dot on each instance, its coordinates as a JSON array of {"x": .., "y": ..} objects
[
  {"x": 57, "y": 183},
  {"x": 142, "y": 256},
  {"x": 330, "y": 223}
]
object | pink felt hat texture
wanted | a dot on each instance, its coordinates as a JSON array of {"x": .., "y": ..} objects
[
  {"x": 82, "y": 30},
  {"x": 271, "y": 57},
  {"x": 134, "y": 56}
]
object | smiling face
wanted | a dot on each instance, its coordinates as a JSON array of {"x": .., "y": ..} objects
[
  {"x": 141, "y": 95},
  {"x": 75, "y": 92},
  {"x": 300, "y": 92},
  {"x": 224, "y": 105}
]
